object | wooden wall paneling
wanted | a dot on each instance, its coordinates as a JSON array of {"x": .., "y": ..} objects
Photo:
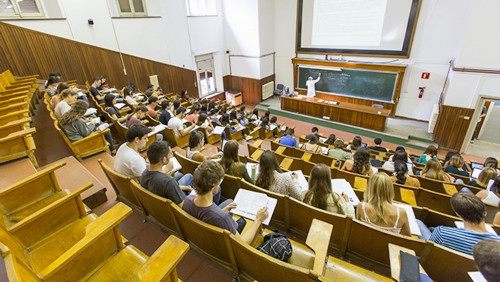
[
  {"x": 27, "y": 52},
  {"x": 451, "y": 126},
  {"x": 251, "y": 88}
]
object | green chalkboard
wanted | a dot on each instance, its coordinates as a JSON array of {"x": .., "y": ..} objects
[{"x": 363, "y": 84}]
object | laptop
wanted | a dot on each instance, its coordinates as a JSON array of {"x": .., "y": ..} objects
[
  {"x": 476, "y": 172},
  {"x": 474, "y": 165}
]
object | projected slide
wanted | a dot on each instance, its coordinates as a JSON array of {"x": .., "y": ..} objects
[{"x": 356, "y": 26}]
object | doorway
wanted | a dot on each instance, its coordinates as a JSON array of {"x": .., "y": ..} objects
[{"x": 484, "y": 137}]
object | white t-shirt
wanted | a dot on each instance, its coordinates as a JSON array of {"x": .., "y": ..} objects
[
  {"x": 311, "y": 91},
  {"x": 129, "y": 162},
  {"x": 491, "y": 199},
  {"x": 176, "y": 124},
  {"x": 61, "y": 108}
]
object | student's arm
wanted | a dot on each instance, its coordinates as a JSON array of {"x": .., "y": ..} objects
[
  {"x": 84, "y": 129},
  {"x": 245, "y": 174},
  {"x": 496, "y": 220},
  {"x": 185, "y": 131},
  {"x": 405, "y": 228},
  {"x": 482, "y": 194},
  {"x": 344, "y": 166},
  {"x": 199, "y": 157},
  {"x": 249, "y": 235}
]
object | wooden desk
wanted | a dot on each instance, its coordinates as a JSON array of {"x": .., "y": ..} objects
[{"x": 357, "y": 115}]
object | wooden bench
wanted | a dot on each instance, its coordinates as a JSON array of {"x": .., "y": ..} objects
[
  {"x": 88, "y": 146},
  {"x": 17, "y": 145}
]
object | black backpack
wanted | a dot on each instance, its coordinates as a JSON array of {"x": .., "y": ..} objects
[{"x": 276, "y": 245}]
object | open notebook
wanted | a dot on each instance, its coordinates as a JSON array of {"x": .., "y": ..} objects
[{"x": 249, "y": 202}]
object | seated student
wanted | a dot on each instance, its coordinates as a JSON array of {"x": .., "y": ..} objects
[
  {"x": 312, "y": 146},
  {"x": 320, "y": 194},
  {"x": 338, "y": 152},
  {"x": 176, "y": 104},
  {"x": 377, "y": 208},
  {"x": 484, "y": 178},
  {"x": 230, "y": 161},
  {"x": 184, "y": 95},
  {"x": 193, "y": 113},
  {"x": 401, "y": 175},
  {"x": 165, "y": 111},
  {"x": 56, "y": 98},
  {"x": 77, "y": 128},
  {"x": 472, "y": 211},
  {"x": 491, "y": 162},
  {"x": 455, "y": 165},
  {"x": 241, "y": 114},
  {"x": 109, "y": 106},
  {"x": 204, "y": 122},
  {"x": 377, "y": 146},
  {"x": 68, "y": 97},
  {"x": 52, "y": 83},
  {"x": 266, "y": 115},
  {"x": 360, "y": 163},
  {"x": 136, "y": 116},
  {"x": 204, "y": 108},
  {"x": 127, "y": 95},
  {"x": 434, "y": 170},
  {"x": 255, "y": 115},
  {"x": 96, "y": 82},
  {"x": 399, "y": 155},
  {"x": 271, "y": 177},
  {"x": 128, "y": 161},
  {"x": 491, "y": 196},
  {"x": 196, "y": 142},
  {"x": 314, "y": 132},
  {"x": 149, "y": 90},
  {"x": 288, "y": 139},
  {"x": 207, "y": 178},
  {"x": 273, "y": 123},
  {"x": 52, "y": 74},
  {"x": 331, "y": 139},
  {"x": 429, "y": 153},
  {"x": 225, "y": 122},
  {"x": 152, "y": 103},
  {"x": 177, "y": 125},
  {"x": 486, "y": 255},
  {"x": 102, "y": 83},
  {"x": 356, "y": 143},
  {"x": 156, "y": 178}
]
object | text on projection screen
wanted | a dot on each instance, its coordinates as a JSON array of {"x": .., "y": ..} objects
[{"x": 348, "y": 22}]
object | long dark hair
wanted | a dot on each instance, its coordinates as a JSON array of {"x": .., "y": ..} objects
[
  {"x": 268, "y": 164},
  {"x": 77, "y": 111},
  {"x": 320, "y": 187},
  {"x": 230, "y": 155},
  {"x": 140, "y": 108},
  {"x": 400, "y": 168},
  {"x": 361, "y": 161}
]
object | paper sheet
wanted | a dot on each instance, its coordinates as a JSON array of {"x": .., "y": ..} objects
[
  {"x": 300, "y": 178},
  {"x": 119, "y": 105},
  {"x": 272, "y": 127},
  {"x": 218, "y": 130},
  {"x": 324, "y": 150},
  {"x": 411, "y": 219},
  {"x": 90, "y": 111},
  {"x": 322, "y": 139},
  {"x": 340, "y": 186},
  {"x": 176, "y": 165},
  {"x": 101, "y": 127},
  {"x": 476, "y": 276},
  {"x": 249, "y": 202},
  {"x": 250, "y": 168},
  {"x": 157, "y": 129}
]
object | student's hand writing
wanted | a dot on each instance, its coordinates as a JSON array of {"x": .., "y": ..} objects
[
  {"x": 344, "y": 195},
  {"x": 168, "y": 167},
  {"x": 229, "y": 207},
  {"x": 262, "y": 214}
]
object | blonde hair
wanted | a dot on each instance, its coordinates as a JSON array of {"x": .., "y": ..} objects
[
  {"x": 379, "y": 192},
  {"x": 456, "y": 161},
  {"x": 487, "y": 174},
  {"x": 433, "y": 170}
]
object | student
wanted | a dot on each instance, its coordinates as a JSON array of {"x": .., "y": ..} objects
[
  {"x": 360, "y": 163},
  {"x": 338, "y": 152},
  {"x": 314, "y": 131},
  {"x": 176, "y": 123},
  {"x": 157, "y": 180},
  {"x": 56, "y": 98},
  {"x": 193, "y": 114},
  {"x": 203, "y": 122},
  {"x": 68, "y": 97},
  {"x": 109, "y": 106},
  {"x": 274, "y": 123},
  {"x": 77, "y": 128},
  {"x": 207, "y": 178},
  {"x": 136, "y": 116},
  {"x": 52, "y": 74},
  {"x": 230, "y": 161},
  {"x": 96, "y": 82},
  {"x": 184, "y": 95},
  {"x": 266, "y": 115},
  {"x": 127, "y": 95},
  {"x": 128, "y": 161},
  {"x": 434, "y": 170},
  {"x": 102, "y": 83},
  {"x": 399, "y": 155},
  {"x": 486, "y": 255},
  {"x": 472, "y": 212},
  {"x": 455, "y": 165},
  {"x": 331, "y": 139},
  {"x": 377, "y": 208},
  {"x": 312, "y": 146},
  {"x": 356, "y": 143},
  {"x": 271, "y": 177},
  {"x": 429, "y": 153},
  {"x": 288, "y": 139},
  {"x": 401, "y": 176},
  {"x": 176, "y": 104},
  {"x": 320, "y": 194},
  {"x": 484, "y": 178},
  {"x": 493, "y": 195},
  {"x": 377, "y": 146},
  {"x": 152, "y": 103},
  {"x": 491, "y": 162},
  {"x": 52, "y": 83},
  {"x": 255, "y": 115},
  {"x": 149, "y": 90},
  {"x": 165, "y": 113},
  {"x": 196, "y": 142}
]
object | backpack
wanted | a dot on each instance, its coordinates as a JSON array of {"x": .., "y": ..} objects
[{"x": 276, "y": 245}]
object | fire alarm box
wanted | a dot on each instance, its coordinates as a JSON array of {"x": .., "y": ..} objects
[{"x": 234, "y": 97}]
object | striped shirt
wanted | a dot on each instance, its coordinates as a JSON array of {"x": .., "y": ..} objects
[{"x": 459, "y": 239}]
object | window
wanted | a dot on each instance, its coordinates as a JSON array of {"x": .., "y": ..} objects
[
  {"x": 131, "y": 8},
  {"x": 206, "y": 71},
  {"x": 201, "y": 8},
  {"x": 20, "y": 9}
]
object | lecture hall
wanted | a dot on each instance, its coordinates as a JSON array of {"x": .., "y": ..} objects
[{"x": 256, "y": 140}]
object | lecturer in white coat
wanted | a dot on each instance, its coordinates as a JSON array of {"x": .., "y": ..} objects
[{"x": 311, "y": 91}]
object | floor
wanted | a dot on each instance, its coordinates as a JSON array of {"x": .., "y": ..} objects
[{"x": 484, "y": 149}]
